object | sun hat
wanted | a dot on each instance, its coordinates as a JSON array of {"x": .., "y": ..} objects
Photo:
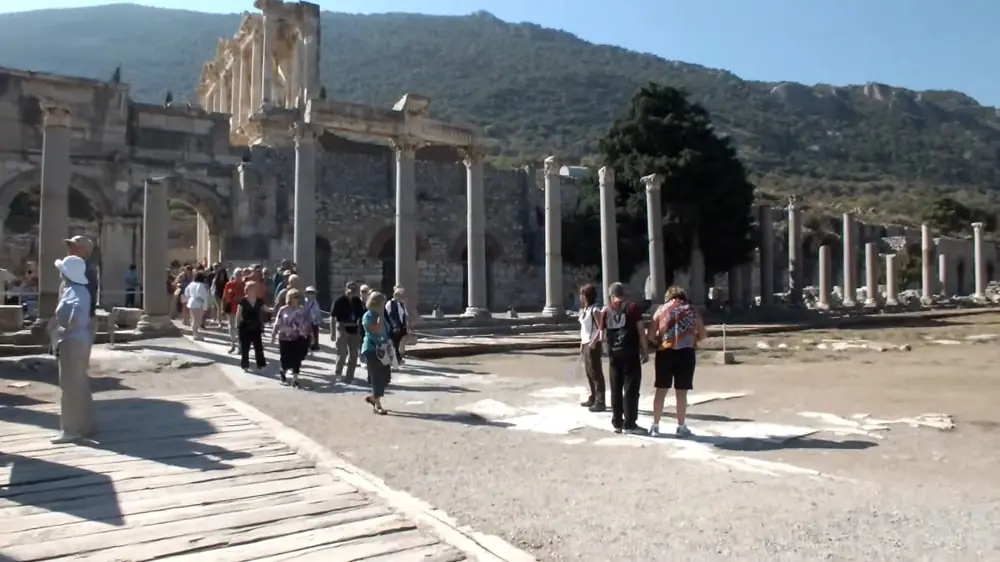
[{"x": 73, "y": 268}]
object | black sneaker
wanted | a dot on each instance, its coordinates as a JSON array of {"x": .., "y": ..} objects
[
  {"x": 635, "y": 430},
  {"x": 618, "y": 430},
  {"x": 587, "y": 403},
  {"x": 598, "y": 407}
]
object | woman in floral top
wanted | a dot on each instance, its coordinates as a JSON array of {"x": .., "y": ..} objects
[{"x": 293, "y": 329}]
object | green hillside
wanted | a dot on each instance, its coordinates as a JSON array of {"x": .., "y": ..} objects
[{"x": 538, "y": 91}]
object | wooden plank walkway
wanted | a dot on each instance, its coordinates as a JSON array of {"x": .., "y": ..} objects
[{"x": 206, "y": 478}]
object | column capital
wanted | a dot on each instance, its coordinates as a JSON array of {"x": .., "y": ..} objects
[
  {"x": 404, "y": 146},
  {"x": 472, "y": 155},
  {"x": 653, "y": 181},
  {"x": 304, "y": 134},
  {"x": 606, "y": 175},
  {"x": 977, "y": 226},
  {"x": 55, "y": 114},
  {"x": 551, "y": 167}
]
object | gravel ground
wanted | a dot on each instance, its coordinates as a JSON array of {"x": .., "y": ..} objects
[{"x": 916, "y": 494}]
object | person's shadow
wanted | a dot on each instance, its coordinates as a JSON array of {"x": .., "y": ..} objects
[{"x": 80, "y": 480}]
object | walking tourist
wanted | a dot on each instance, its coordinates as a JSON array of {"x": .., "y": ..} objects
[
  {"x": 675, "y": 332},
  {"x": 622, "y": 326},
  {"x": 377, "y": 350},
  {"x": 293, "y": 329},
  {"x": 249, "y": 320},
  {"x": 70, "y": 330},
  {"x": 290, "y": 282},
  {"x": 346, "y": 318},
  {"x": 232, "y": 294},
  {"x": 196, "y": 300},
  {"x": 590, "y": 348},
  {"x": 315, "y": 315},
  {"x": 398, "y": 320},
  {"x": 131, "y": 286}
]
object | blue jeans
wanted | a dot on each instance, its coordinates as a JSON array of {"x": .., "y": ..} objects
[{"x": 378, "y": 374}]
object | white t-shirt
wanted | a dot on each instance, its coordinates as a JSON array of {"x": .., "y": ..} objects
[
  {"x": 196, "y": 295},
  {"x": 588, "y": 323}
]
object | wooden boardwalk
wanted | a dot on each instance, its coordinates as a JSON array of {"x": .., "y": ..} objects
[{"x": 205, "y": 478}]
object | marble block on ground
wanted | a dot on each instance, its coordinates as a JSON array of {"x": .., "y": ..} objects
[
  {"x": 11, "y": 318},
  {"x": 126, "y": 318}
]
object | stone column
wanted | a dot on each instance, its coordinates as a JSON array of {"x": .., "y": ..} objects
[
  {"x": 698, "y": 294},
  {"x": 794, "y": 253},
  {"x": 746, "y": 273},
  {"x": 735, "y": 278},
  {"x": 256, "y": 72},
  {"x": 824, "y": 278},
  {"x": 891, "y": 291},
  {"x": 943, "y": 275},
  {"x": 239, "y": 89},
  {"x": 268, "y": 43},
  {"x": 155, "y": 222},
  {"x": 294, "y": 74},
  {"x": 475, "y": 242},
  {"x": 311, "y": 69},
  {"x": 225, "y": 92},
  {"x": 553, "y": 240},
  {"x": 116, "y": 257},
  {"x": 850, "y": 261},
  {"x": 654, "y": 233},
  {"x": 407, "y": 272},
  {"x": 979, "y": 261},
  {"x": 926, "y": 265},
  {"x": 54, "y": 206},
  {"x": 766, "y": 249},
  {"x": 871, "y": 275},
  {"x": 304, "y": 222},
  {"x": 609, "y": 229}
]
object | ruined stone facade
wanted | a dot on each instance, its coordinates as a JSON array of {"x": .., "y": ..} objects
[{"x": 235, "y": 164}]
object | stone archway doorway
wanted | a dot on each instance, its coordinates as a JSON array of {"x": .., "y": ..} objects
[
  {"x": 459, "y": 252},
  {"x": 383, "y": 248},
  {"x": 960, "y": 277}
]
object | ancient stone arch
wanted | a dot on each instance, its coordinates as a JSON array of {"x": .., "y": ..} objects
[
  {"x": 199, "y": 196},
  {"x": 457, "y": 251},
  {"x": 382, "y": 245},
  {"x": 28, "y": 179}
]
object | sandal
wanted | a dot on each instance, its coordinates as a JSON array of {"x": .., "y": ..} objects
[
  {"x": 381, "y": 411},
  {"x": 371, "y": 401}
]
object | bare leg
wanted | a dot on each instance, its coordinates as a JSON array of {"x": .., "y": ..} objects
[
  {"x": 682, "y": 404},
  {"x": 658, "y": 398}
]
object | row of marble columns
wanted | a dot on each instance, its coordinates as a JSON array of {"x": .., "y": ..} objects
[{"x": 406, "y": 219}]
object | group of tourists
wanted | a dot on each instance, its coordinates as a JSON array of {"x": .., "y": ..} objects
[{"x": 672, "y": 335}]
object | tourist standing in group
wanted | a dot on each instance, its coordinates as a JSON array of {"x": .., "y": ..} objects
[
  {"x": 195, "y": 298},
  {"x": 345, "y": 318},
  {"x": 398, "y": 320},
  {"x": 293, "y": 330},
  {"x": 626, "y": 342},
  {"x": 131, "y": 286},
  {"x": 675, "y": 332},
  {"x": 377, "y": 350},
  {"x": 249, "y": 320},
  {"x": 232, "y": 294},
  {"x": 315, "y": 315},
  {"x": 81, "y": 247},
  {"x": 591, "y": 355},
  {"x": 290, "y": 282},
  {"x": 70, "y": 330},
  {"x": 219, "y": 282}
]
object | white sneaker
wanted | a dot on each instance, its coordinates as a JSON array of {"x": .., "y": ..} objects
[
  {"x": 654, "y": 430},
  {"x": 683, "y": 431}
]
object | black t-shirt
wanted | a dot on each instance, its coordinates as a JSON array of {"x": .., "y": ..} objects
[
  {"x": 621, "y": 330},
  {"x": 348, "y": 310}
]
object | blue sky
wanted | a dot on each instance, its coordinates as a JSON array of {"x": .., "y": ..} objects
[{"x": 920, "y": 44}]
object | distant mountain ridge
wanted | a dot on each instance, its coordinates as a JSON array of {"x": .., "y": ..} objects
[{"x": 538, "y": 91}]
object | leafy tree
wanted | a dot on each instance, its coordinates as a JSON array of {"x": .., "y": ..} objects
[
  {"x": 705, "y": 188},
  {"x": 948, "y": 215}
]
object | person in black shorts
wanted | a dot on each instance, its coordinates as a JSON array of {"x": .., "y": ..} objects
[{"x": 674, "y": 332}]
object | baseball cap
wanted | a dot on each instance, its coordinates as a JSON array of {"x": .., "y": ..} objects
[{"x": 80, "y": 241}]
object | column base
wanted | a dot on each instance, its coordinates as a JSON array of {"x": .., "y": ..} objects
[
  {"x": 871, "y": 303},
  {"x": 979, "y": 299},
  {"x": 157, "y": 325},
  {"x": 848, "y": 304},
  {"x": 823, "y": 306},
  {"x": 891, "y": 302},
  {"x": 927, "y": 301},
  {"x": 476, "y": 312},
  {"x": 554, "y": 311}
]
